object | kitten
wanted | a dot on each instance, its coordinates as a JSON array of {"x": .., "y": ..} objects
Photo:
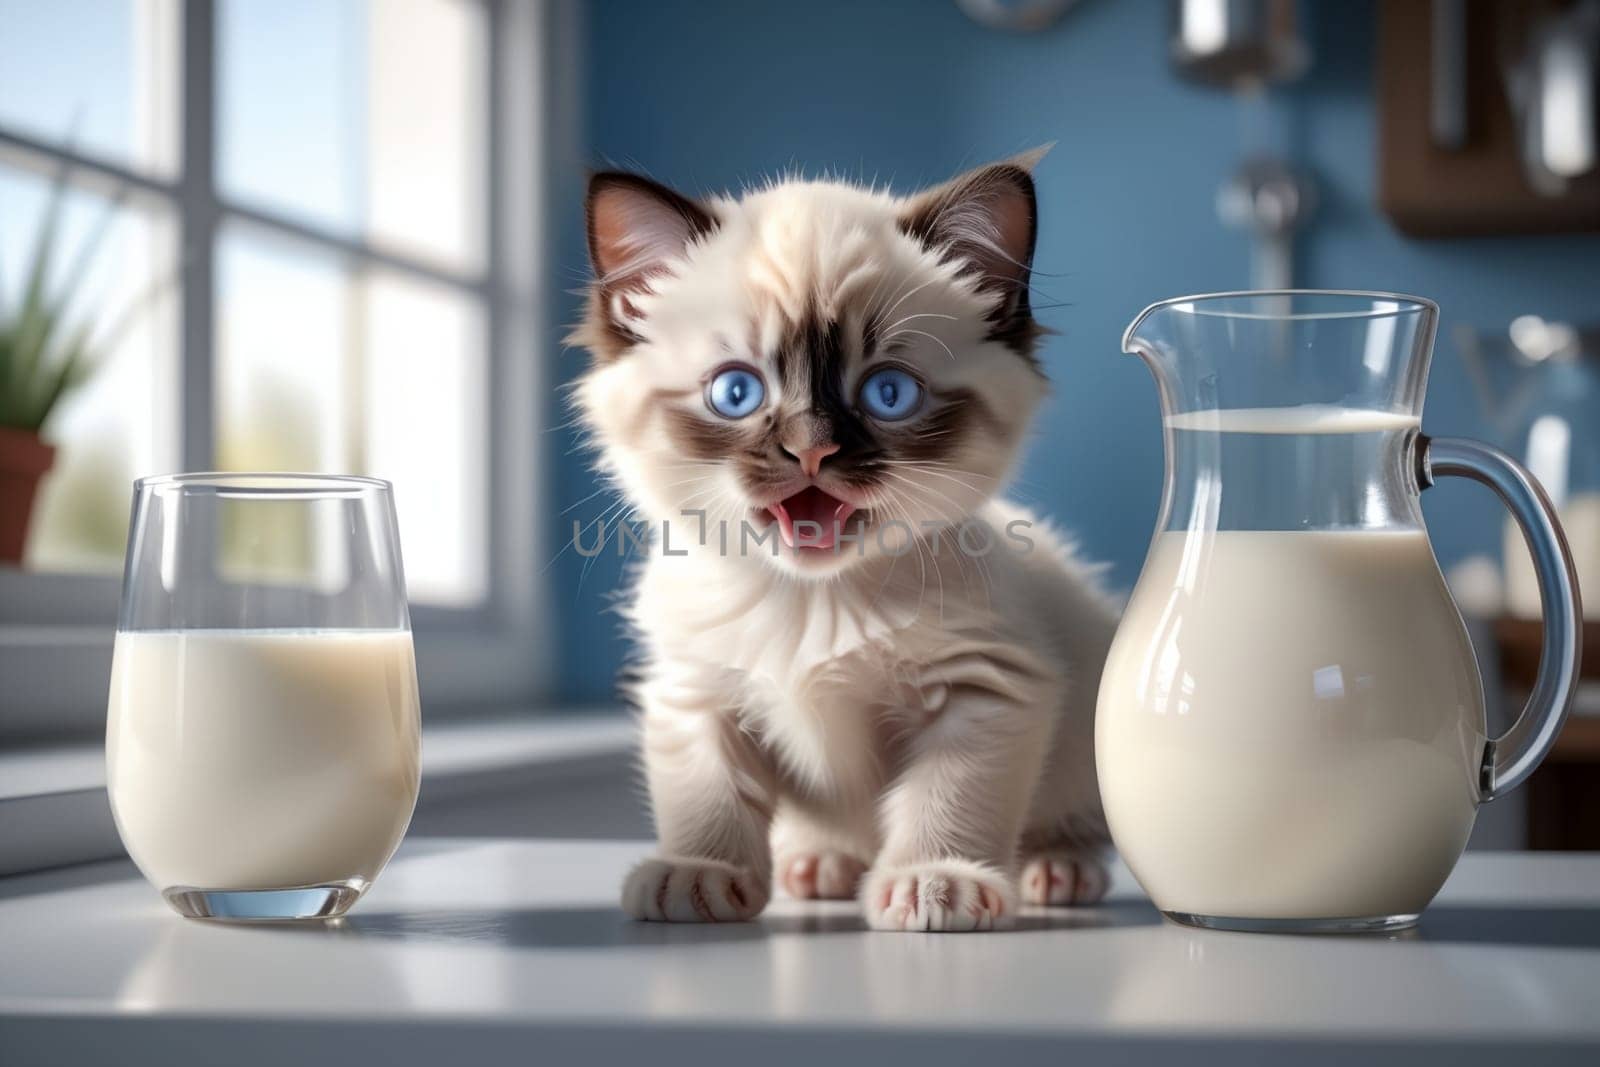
[{"x": 898, "y": 702}]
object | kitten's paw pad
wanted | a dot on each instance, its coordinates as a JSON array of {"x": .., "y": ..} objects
[
  {"x": 945, "y": 895},
  {"x": 1064, "y": 878},
  {"x": 679, "y": 890},
  {"x": 824, "y": 875}
]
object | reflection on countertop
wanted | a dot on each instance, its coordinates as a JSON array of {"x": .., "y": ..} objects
[{"x": 522, "y": 939}]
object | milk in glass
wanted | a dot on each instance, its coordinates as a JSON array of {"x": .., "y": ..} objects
[{"x": 258, "y": 759}]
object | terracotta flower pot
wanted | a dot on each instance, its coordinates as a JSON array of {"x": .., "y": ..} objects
[{"x": 24, "y": 458}]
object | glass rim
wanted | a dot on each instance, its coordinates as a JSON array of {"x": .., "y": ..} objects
[
  {"x": 1404, "y": 304},
  {"x": 265, "y": 483}
]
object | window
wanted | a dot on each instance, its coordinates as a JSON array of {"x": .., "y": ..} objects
[{"x": 302, "y": 233}]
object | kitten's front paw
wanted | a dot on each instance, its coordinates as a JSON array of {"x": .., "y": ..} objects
[
  {"x": 1064, "y": 877},
  {"x": 942, "y": 895},
  {"x": 678, "y": 890},
  {"x": 824, "y": 875}
]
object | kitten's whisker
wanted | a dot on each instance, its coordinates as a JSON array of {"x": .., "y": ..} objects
[
  {"x": 579, "y": 503},
  {"x": 961, "y": 512},
  {"x": 982, "y": 491},
  {"x": 924, "y": 333},
  {"x": 622, "y": 519},
  {"x": 868, "y": 314},
  {"x": 1022, "y": 487},
  {"x": 889, "y": 330},
  {"x": 697, "y": 480},
  {"x": 909, "y": 294},
  {"x": 961, "y": 515},
  {"x": 578, "y": 534},
  {"x": 934, "y": 465},
  {"x": 899, "y": 511},
  {"x": 952, "y": 478}
]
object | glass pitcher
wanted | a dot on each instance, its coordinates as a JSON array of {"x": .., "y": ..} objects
[{"x": 1290, "y": 731}]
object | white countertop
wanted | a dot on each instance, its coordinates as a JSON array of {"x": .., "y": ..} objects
[{"x": 485, "y": 950}]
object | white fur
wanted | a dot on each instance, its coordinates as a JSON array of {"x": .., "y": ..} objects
[{"x": 927, "y": 714}]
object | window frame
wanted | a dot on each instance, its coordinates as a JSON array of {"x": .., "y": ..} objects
[{"x": 56, "y": 630}]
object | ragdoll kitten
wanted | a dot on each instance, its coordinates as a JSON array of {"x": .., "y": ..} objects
[{"x": 867, "y": 676}]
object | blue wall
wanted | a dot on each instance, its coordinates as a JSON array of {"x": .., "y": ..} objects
[{"x": 707, "y": 94}]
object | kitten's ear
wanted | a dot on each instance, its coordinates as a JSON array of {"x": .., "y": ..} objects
[
  {"x": 987, "y": 219},
  {"x": 637, "y": 227}
]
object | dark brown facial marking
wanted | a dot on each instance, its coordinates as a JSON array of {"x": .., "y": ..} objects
[
  {"x": 973, "y": 405},
  {"x": 812, "y": 410},
  {"x": 659, "y": 395},
  {"x": 811, "y": 367},
  {"x": 702, "y": 438},
  {"x": 810, "y": 373},
  {"x": 937, "y": 434},
  {"x": 941, "y": 431}
]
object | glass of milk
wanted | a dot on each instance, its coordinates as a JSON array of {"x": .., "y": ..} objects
[
  {"x": 1290, "y": 733},
  {"x": 262, "y": 734}
]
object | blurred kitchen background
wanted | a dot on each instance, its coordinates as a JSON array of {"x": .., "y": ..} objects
[{"x": 344, "y": 235}]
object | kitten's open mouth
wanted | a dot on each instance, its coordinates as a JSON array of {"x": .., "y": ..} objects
[{"x": 811, "y": 519}]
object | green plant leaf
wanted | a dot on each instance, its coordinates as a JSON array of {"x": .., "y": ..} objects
[
  {"x": 35, "y": 371},
  {"x": 55, "y": 313},
  {"x": 44, "y": 242},
  {"x": 10, "y": 390},
  {"x": 31, "y": 327},
  {"x": 67, "y": 371}
]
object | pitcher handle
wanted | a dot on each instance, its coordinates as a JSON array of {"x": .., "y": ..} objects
[{"x": 1511, "y": 757}]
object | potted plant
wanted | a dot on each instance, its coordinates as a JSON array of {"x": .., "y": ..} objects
[{"x": 43, "y": 357}]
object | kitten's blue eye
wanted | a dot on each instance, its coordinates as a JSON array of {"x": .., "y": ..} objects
[
  {"x": 735, "y": 392},
  {"x": 891, "y": 394}
]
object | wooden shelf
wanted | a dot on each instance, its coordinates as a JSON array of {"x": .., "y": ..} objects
[
  {"x": 1564, "y": 793},
  {"x": 1519, "y": 641},
  {"x": 1579, "y": 741}
]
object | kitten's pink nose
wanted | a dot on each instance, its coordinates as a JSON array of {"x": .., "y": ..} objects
[{"x": 811, "y": 458}]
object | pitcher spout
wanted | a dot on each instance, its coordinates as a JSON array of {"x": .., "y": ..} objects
[
  {"x": 1140, "y": 337},
  {"x": 1153, "y": 336}
]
